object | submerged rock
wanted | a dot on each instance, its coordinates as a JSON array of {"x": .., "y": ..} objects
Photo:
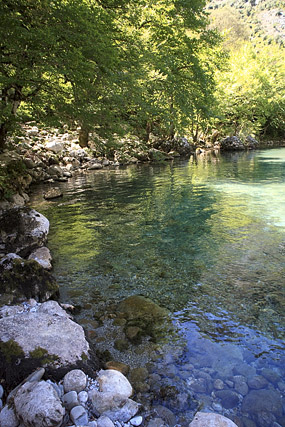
[
  {"x": 144, "y": 317},
  {"x": 53, "y": 193},
  {"x": 203, "y": 419},
  {"x": 263, "y": 401}
]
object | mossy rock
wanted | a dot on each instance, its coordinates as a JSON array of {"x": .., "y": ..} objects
[
  {"x": 139, "y": 307},
  {"x": 26, "y": 279},
  {"x": 146, "y": 316}
]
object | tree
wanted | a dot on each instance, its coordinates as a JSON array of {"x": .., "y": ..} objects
[
  {"x": 251, "y": 92},
  {"x": 53, "y": 53}
]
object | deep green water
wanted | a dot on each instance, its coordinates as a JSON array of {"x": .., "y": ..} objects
[{"x": 203, "y": 237}]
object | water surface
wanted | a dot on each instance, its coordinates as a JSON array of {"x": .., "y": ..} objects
[{"x": 204, "y": 238}]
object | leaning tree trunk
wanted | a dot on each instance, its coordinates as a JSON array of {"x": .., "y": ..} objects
[
  {"x": 83, "y": 137},
  {"x": 3, "y": 134}
]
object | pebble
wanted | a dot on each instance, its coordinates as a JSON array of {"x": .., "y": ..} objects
[
  {"x": 104, "y": 421},
  {"x": 83, "y": 397},
  {"x": 79, "y": 416},
  {"x": 74, "y": 380},
  {"x": 137, "y": 421},
  {"x": 70, "y": 400},
  {"x": 219, "y": 384}
]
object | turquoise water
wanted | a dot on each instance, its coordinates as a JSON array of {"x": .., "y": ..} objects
[{"x": 204, "y": 238}]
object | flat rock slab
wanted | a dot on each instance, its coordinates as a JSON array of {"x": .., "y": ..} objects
[{"x": 52, "y": 331}]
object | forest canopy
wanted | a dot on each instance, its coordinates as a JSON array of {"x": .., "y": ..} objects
[{"x": 144, "y": 67}]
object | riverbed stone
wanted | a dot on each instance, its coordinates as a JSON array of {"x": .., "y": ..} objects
[
  {"x": 219, "y": 384},
  {"x": 37, "y": 404},
  {"x": 166, "y": 414},
  {"x": 55, "y": 146},
  {"x": 53, "y": 193},
  {"x": 43, "y": 257},
  {"x": 74, "y": 380},
  {"x": 104, "y": 421},
  {"x": 112, "y": 381},
  {"x": 136, "y": 421},
  {"x": 271, "y": 375},
  {"x": 114, "y": 406},
  {"x": 232, "y": 143},
  {"x": 263, "y": 400},
  {"x": 118, "y": 366},
  {"x": 257, "y": 382},
  {"x": 70, "y": 400},
  {"x": 79, "y": 416},
  {"x": 204, "y": 419},
  {"x": 83, "y": 397},
  {"x": 138, "y": 306},
  {"x": 229, "y": 398}
]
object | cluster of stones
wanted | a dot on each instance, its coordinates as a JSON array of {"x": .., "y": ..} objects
[
  {"x": 25, "y": 261},
  {"x": 76, "y": 400},
  {"x": 50, "y": 157},
  {"x": 226, "y": 380},
  {"x": 235, "y": 143},
  {"x": 79, "y": 400}
]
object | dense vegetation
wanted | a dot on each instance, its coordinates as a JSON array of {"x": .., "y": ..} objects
[{"x": 135, "y": 67}]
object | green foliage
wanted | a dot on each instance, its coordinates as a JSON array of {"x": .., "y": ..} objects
[
  {"x": 11, "y": 350},
  {"x": 43, "y": 356},
  {"x": 251, "y": 92},
  {"x": 12, "y": 172},
  {"x": 104, "y": 66}
]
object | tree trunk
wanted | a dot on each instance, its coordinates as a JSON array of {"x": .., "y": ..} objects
[
  {"x": 172, "y": 128},
  {"x": 3, "y": 134},
  {"x": 83, "y": 137}
]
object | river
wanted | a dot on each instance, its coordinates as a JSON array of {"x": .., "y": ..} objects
[{"x": 203, "y": 238}]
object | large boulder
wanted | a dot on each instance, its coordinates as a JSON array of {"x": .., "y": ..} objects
[
  {"x": 23, "y": 279},
  {"x": 232, "y": 143},
  {"x": 43, "y": 336},
  {"x": 22, "y": 230}
]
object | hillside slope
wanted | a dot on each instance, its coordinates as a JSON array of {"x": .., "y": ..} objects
[{"x": 256, "y": 20}]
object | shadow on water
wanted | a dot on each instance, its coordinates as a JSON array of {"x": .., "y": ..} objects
[{"x": 204, "y": 239}]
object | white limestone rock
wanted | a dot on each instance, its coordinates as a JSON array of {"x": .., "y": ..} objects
[
  {"x": 104, "y": 421},
  {"x": 37, "y": 404},
  {"x": 43, "y": 257},
  {"x": 112, "y": 381},
  {"x": 49, "y": 328},
  {"x": 74, "y": 380},
  {"x": 8, "y": 417},
  {"x": 203, "y": 419}
]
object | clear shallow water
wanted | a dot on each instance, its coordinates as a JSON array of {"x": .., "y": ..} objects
[{"x": 204, "y": 239}]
